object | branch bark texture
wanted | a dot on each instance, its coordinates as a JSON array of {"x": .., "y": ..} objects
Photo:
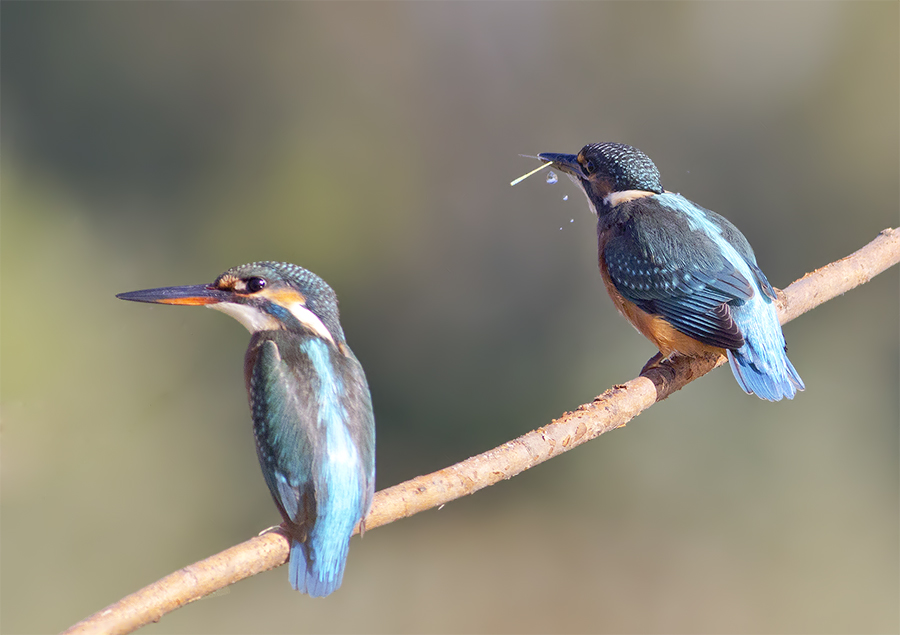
[{"x": 613, "y": 409}]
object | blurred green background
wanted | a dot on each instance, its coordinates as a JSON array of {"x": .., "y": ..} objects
[{"x": 151, "y": 144}]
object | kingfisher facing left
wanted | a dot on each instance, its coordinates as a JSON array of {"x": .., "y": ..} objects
[
  {"x": 310, "y": 405},
  {"x": 684, "y": 276}
]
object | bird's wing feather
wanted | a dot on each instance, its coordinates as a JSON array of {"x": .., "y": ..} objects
[
  {"x": 283, "y": 407},
  {"x": 360, "y": 420},
  {"x": 290, "y": 419},
  {"x": 657, "y": 261}
]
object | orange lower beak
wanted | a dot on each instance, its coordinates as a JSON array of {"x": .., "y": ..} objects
[{"x": 194, "y": 295}]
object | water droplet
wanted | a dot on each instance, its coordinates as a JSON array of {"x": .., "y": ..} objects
[
  {"x": 566, "y": 197},
  {"x": 551, "y": 177},
  {"x": 572, "y": 221}
]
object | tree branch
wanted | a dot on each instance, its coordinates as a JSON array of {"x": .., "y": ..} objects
[{"x": 611, "y": 410}]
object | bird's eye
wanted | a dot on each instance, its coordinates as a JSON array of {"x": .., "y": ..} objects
[
  {"x": 255, "y": 284},
  {"x": 588, "y": 166}
]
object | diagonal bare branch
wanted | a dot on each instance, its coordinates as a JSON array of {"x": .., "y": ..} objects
[{"x": 611, "y": 410}]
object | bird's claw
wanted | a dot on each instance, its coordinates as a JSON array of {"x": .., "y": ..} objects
[
  {"x": 657, "y": 360},
  {"x": 271, "y": 529}
]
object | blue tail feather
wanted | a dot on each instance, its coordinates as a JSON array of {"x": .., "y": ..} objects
[
  {"x": 308, "y": 575},
  {"x": 317, "y": 564},
  {"x": 772, "y": 384},
  {"x": 761, "y": 365}
]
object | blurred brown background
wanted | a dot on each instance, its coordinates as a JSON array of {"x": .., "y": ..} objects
[{"x": 150, "y": 144}]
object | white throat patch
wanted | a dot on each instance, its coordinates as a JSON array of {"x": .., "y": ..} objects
[
  {"x": 617, "y": 198},
  {"x": 256, "y": 320},
  {"x": 252, "y": 318},
  {"x": 310, "y": 320}
]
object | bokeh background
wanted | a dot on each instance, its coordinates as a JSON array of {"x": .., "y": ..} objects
[{"x": 149, "y": 144}]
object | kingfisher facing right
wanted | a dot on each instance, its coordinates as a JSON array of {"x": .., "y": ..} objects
[
  {"x": 310, "y": 404},
  {"x": 684, "y": 276}
]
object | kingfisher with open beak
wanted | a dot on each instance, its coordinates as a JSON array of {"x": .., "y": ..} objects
[
  {"x": 310, "y": 405},
  {"x": 684, "y": 276}
]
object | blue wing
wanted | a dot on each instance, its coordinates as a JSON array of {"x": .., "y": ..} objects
[
  {"x": 669, "y": 266},
  {"x": 314, "y": 430},
  {"x": 283, "y": 409}
]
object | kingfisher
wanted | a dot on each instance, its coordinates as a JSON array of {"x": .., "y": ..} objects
[
  {"x": 310, "y": 405},
  {"x": 684, "y": 276}
]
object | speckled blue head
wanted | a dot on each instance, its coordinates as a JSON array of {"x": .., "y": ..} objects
[
  {"x": 603, "y": 169},
  {"x": 628, "y": 167},
  {"x": 287, "y": 286},
  {"x": 263, "y": 296}
]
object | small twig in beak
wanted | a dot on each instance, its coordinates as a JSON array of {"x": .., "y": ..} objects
[{"x": 525, "y": 176}]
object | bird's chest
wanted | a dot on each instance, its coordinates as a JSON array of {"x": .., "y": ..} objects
[
  {"x": 654, "y": 327},
  {"x": 641, "y": 320}
]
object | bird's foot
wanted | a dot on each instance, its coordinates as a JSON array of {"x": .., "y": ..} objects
[
  {"x": 653, "y": 362},
  {"x": 271, "y": 529},
  {"x": 657, "y": 360}
]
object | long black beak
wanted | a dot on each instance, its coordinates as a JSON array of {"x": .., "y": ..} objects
[
  {"x": 193, "y": 295},
  {"x": 567, "y": 163}
]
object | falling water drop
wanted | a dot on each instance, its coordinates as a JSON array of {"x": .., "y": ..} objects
[
  {"x": 551, "y": 177},
  {"x": 566, "y": 197}
]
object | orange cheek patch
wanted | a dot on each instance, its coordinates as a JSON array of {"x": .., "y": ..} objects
[{"x": 285, "y": 296}]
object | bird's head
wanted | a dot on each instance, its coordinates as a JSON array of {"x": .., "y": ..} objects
[
  {"x": 263, "y": 296},
  {"x": 609, "y": 173}
]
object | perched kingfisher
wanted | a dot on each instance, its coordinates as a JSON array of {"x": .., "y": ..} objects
[
  {"x": 684, "y": 276},
  {"x": 310, "y": 404}
]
